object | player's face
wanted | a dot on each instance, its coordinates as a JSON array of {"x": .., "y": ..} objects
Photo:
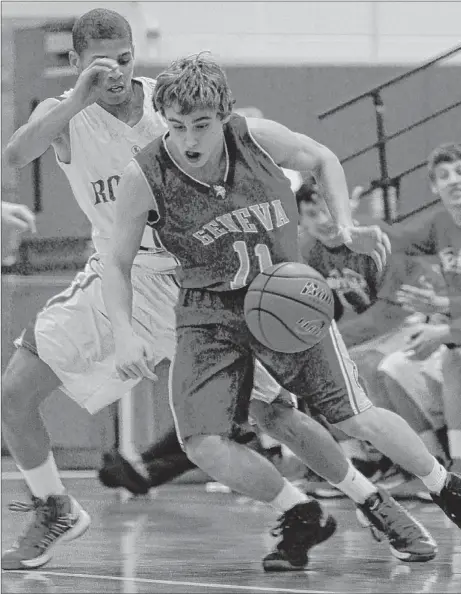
[
  {"x": 116, "y": 87},
  {"x": 316, "y": 219},
  {"x": 447, "y": 184},
  {"x": 197, "y": 136}
]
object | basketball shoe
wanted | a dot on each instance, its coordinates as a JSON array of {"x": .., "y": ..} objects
[
  {"x": 118, "y": 472},
  {"x": 301, "y": 528},
  {"x": 58, "y": 519},
  {"x": 408, "y": 539},
  {"x": 449, "y": 499}
]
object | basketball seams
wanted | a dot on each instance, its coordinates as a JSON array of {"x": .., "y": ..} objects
[
  {"x": 279, "y": 325},
  {"x": 304, "y": 344},
  {"x": 267, "y": 292},
  {"x": 259, "y": 309}
]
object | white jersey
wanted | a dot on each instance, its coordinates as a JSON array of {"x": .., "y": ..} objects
[{"x": 101, "y": 147}]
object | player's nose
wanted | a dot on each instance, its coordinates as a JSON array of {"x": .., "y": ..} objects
[
  {"x": 115, "y": 74},
  {"x": 191, "y": 141}
]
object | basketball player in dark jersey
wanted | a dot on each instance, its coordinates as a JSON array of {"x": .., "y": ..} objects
[{"x": 226, "y": 211}]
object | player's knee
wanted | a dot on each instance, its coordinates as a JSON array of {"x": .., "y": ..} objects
[
  {"x": 362, "y": 426},
  {"x": 203, "y": 450},
  {"x": 14, "y": 401},
  {"x": 269, "y": 417},
  {"x": 24, "y": 386}
]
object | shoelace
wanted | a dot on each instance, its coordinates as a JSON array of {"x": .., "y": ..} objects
[
  {"x": 47, "y": 525},
  {"x": 402, "y": 525}
]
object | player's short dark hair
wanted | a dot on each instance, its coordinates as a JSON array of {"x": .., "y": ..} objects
[
  {"x": 195, "y": 82},
  {"x": 444, "y": 153},
  {"x": 307, "y": 193},
  {"x": 99, "y": 23}
]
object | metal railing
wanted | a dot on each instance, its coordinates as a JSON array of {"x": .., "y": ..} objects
[{"x": 386, "y": 182}]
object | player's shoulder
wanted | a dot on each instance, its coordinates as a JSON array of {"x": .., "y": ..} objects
[
  {"x": 149, "y": 83},
  {"x": 150, "y": 153}
]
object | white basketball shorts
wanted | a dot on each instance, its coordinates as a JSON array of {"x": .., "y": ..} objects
[{"x": 72, "y": 333}]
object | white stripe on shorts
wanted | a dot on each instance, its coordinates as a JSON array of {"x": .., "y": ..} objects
[
  {"x": 171, "y": 403},
  {"x": 357, "y": 396}
]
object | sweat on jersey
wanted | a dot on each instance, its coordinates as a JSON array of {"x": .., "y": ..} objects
[{"x": 101, "y": 147}]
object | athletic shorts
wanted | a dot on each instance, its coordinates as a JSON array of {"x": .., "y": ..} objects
[
  {"x": 72, "y": 333},
  {"x": 212, "y": 373}
]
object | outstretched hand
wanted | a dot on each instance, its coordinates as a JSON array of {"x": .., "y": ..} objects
[{"x": 369, "y": 240}]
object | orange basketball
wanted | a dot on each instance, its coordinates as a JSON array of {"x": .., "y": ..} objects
[{"x": 289, "y": 307}]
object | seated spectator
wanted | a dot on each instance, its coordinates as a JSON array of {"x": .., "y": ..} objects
[{"x": 371, "y": 319}]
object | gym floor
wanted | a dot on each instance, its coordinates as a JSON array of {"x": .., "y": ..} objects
[{"x": 182, "y": 539}]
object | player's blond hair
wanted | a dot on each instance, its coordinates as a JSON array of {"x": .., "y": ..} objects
[
  {"x": 192, "y": 83},
  {"x": 444, "y": 153}
]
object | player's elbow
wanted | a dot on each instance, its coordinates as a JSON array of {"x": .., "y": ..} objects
[
  {"x": 12, "y": 157},
  {"x": 325, "y": 159}
]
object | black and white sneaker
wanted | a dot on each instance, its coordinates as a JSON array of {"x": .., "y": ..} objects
[{"x": 301, "y": 528}]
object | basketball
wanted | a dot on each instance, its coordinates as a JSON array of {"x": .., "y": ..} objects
[{"x": 289, "y": 307}]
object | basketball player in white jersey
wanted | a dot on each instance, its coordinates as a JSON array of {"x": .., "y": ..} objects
[{"x": 95, "y": 129}]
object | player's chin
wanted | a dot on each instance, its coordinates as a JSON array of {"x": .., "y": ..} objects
[{"x": 114, "y": 98}]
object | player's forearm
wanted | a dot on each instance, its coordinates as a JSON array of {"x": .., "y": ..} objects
[
  {"x": 35, "y": 137},
  {"x": 332, "y": 179},
  {"x": 118, "y": 298}
]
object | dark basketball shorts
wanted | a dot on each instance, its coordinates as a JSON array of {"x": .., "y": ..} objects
[{"x": 212, "y": 372}]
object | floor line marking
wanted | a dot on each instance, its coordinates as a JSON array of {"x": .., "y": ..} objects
[
  {"x": 217, "y": 586},
  {"x": 66, "y": 474}
]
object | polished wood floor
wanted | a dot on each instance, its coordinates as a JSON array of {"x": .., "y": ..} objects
[{"x": 183, "y": 539}]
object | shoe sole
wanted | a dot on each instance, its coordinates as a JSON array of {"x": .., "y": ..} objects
[
  {"x": 279, "y": 565},
  {"x": 401, "y": 555},
  {"x": 82, "y": 525}
]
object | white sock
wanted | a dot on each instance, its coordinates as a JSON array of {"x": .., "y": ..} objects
[
  {"x": 454, "y": 442},
  {"x": 356, "y": 486},
  {"x": 435, "y": 480},
  {"x": 288, "y": 497},
  {"x": 44, "y": 480}
]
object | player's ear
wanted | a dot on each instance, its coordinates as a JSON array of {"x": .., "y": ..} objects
[
  {"x": 226, "y": 118},
  {"x": 74, "y": 59},
  {"x": 434, "y": 189}
]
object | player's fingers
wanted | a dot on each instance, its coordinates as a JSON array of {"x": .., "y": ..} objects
[
  {"x": 377, "y": 260},
  {"x": 104, "y": 62},
  {"x": 28, "y": 217},
  {"x": 122, "y": 374},
  {"x": 19, "y": 223},
  {"x": 144, "y": 370},
  {"x": 387, "y": 243},
  {"x": 382, "y": 252}
]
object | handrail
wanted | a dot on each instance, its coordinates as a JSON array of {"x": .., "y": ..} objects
[
  {"x": 422, "y": 208},
  {"x": 374, "y": 94},
  {"x": 436, "y": 114},
  {"x": 392, "y": 181},
  {"x": 390, "y": 82}
]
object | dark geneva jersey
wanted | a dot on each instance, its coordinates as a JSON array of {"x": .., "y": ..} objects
[{"x": 223, "y": 235}]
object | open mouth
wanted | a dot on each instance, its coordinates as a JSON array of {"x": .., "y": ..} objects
[
  {"x": 192, "y": 156},
  {"x": 116, "y": 89}
]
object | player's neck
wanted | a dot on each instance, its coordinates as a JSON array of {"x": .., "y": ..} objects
[{"x": 129, "y": 111}]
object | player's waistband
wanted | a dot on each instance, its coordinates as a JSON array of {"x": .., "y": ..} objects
[{"x": 190, "y": 297}]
